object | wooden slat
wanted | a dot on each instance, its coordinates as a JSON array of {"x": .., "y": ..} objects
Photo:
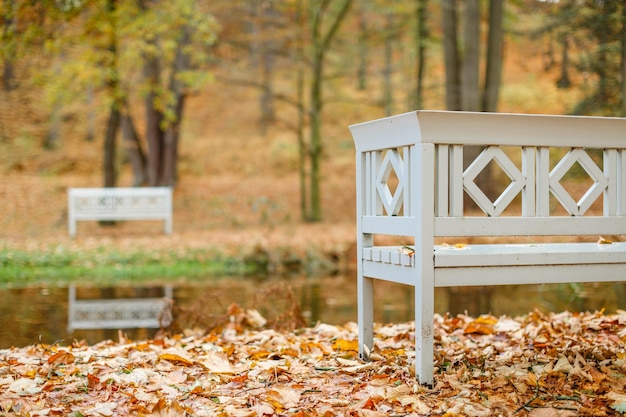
[
  {"x": 530, "y": 254},
  {"x": 486, "y": 129},
  {"x": 529, "y": 226},
  {"x": 538, "y": 274},
  {"x": 390, "y": 225},
  {"x": 529, "y": 191},
  {"x": 407, "y": 178},
  {"x": 389, "y": 272},
  {"x": 621, "y": 183},
  {"x": 456, "y": 181},
  {"x": 542, "y": 181},
  {"x": 442, "y": 180},
  {"x": 610, "y": 193}
]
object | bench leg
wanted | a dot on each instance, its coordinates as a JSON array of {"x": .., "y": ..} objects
[
  {"x": 424, "y": 329},
  {"x": 72, "y": 227},
  {"x": 365, "y": 293}
]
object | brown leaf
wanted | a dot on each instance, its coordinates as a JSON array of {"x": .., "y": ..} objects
[
  {"x": 93, "y": 382},
  {"x": 61, "y": 357},
  {"x": 478, "y": 328},
  {"x": 551, "y": 412},
  {"x": 177, "y": 359}
]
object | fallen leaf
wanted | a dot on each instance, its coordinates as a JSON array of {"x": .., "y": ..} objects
[
  {"x": 551, "y": 412},
  {"x": 103, "y": 409},
  {"x": 346, "y": 345},
  {"x": 171, "y": 357},
  {"x": 216, "y": 362},
  {"x": 61, "y": 357}
]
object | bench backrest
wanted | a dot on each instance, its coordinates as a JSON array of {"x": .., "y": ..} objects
[
  {"x": 411, "y": 174},
  {"x": 120, "y": 203}
]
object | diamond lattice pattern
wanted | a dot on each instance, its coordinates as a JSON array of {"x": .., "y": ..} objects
[
  {"x": 392, "y": 200},
  {"x": 600, "y": 182},
  {"x": 518, "y": 181}
]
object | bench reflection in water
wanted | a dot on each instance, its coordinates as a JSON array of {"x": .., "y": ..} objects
[{"x": 119, "y": 313}]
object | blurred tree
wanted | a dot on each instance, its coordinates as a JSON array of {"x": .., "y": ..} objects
[
  {"x": 623, "y": 60},
  {"x": 363, "y": 45},
  {"x": 462, "y": 60},
  {"x": 451, "y": 54},
  {"x": 389, "y": 40},
  {"x": 325, "y": 17},
  {"x": 111, "y": 83},
  {"x": 599, "y": 40},
  {"x": 7, "y": 38},
  {"x": 601, "y": 20},
  {"x": 470, "y": 58},
  {"x": 416, "y": 100},
  {"x": 493, "y": 72},
  {"x": 173, "y": 39},
  {"x": 97, "y": 46}
]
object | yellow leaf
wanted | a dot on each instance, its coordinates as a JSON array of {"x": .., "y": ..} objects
[
  {"x": 346, "y": 345},
  {"x": 171, "y": 357},
  {"x": 486, "y": 319}
]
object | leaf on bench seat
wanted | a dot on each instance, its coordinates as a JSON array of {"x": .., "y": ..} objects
[
  {"x": 407, "y": 250},
  {"x": 603, "y": 241},
  {"x": 454, "y": 246}
]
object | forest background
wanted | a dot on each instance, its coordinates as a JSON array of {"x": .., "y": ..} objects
[{"x": 243, "y": 107}]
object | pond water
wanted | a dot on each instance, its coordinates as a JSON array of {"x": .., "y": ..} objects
[{"x": 40, "y": 314}]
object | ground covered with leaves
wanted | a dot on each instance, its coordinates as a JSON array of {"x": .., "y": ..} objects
[{"x": 536, "y": 365}]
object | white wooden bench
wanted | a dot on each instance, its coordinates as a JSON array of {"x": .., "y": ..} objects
[
  {"x": 124, "y": 203},
  {"x": 116, "y": 313},
  {"x": 411, "y": 184}
]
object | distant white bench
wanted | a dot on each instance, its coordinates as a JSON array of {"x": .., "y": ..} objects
[
  {"x": 117, "y": 313},
  {"x": 130, "y": 203},
  {"x": 411, "y": 183}
]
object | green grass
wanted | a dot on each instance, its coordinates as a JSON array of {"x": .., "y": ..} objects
[{"x": 105, "y": 266}]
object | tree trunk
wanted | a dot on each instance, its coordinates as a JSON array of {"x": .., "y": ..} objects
[
  {"x": 623, "y": 58},
  {"x": 388, "y": 65},
  {"x": 182, "y": 62},
  {"x": 268, "y": 50},
  {"x": 110, "y": 148},
  {"x": 302, "y": 151},
  {"x": 493, "y": 73},
  {"x": 154, "y": 134},
  {"x": 320, "y": 44},
  {"x": 451, "y": 55},
  {"x": 421, "y": 36},
  {"x": 170, "y": 153},
  {"x": 363, "y": 49},
  {"x": 170, "y": 149},
  {"x": 603, "y": 60},
  {"x": 133, "y": 149},
  {"x": 53, "y": 133},
  {"x": 470, "y": 77},
  {"x": 564, "y": 81},
  {"x": 8, "y": 73},
  {"x": 91, "y": 114},
  {"x": 314, "y": 211}
]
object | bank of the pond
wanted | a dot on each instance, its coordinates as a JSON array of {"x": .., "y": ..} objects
[{"x": 111, "y": 261}]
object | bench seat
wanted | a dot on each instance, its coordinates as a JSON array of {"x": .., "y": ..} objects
[{"x": 468, "y": 265}]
